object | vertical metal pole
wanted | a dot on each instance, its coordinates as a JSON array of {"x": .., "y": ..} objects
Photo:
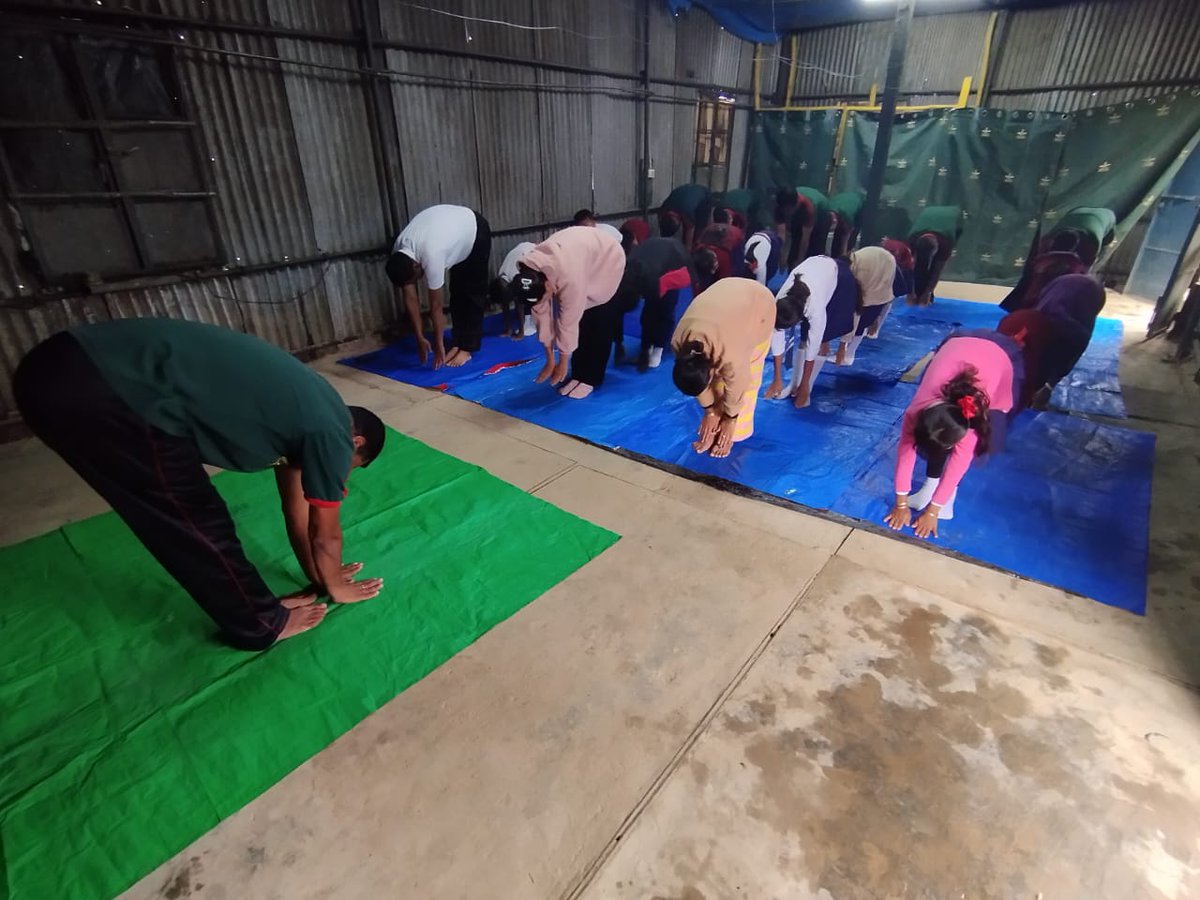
[
  {"x": 645, "y": 173},
  {"x": 368, "y": 13},
  {"x": 887, "y": 116}
]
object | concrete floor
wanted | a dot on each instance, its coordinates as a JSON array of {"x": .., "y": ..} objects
[{"x": 740, "y": 700}]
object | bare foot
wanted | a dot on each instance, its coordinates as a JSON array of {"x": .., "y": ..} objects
[
  {"x": 581, "y": 391},
  {"x": 298, "y": 599},
  {"x": 705, "y": 443},
  {"x": 457, "y": 357},
  {"x": 841, "y": 354},
  {"x": 802, "y": 399},
  {"x": 568, "y": 387},
  {"x": 423, "y": 349},
  {"x": 719, "y": 452},
  {"x": 301, "y": 619}
]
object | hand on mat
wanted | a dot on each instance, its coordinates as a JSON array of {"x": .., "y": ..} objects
[
  {"x": 706, "y": 434},
  {"x": 423, "y": 349},
  {"x": 559, "y": 374},
  {"x": 439, "y": 355},
  {"x": 899, "y": 517},
  {"x": 724, "y": 441},
  {"x": 926, "y": 524},
  {"x": 774, "y": 389},
  {"x": 356, "y": 591}
]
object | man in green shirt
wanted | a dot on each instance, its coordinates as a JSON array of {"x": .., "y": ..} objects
[{"x": 138, "y": 406}]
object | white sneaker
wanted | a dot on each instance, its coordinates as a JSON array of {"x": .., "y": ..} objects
[
  {"x": 530, "y": 326},
  {"x": 921, "y": 498},
  {"x": 655, "y": 357}
]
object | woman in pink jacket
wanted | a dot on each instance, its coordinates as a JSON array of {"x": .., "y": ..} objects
[
  {"x": 570, "y": 278},
  {"x": 959, "y": 413}
]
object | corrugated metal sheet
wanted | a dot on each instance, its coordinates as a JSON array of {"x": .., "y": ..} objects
[
  {"x": 436, "y": 132},
  {"x": 1095, "y": 43},
  {"x": 567, "y": 127},
  {"x": 208, "y": 300},
  {"x": 339, "y": 174},
  {"x": 361, "y": 299},
  {"x": 705, "y": 52},
  {"x": 462, "y": 25},
  {"x": 842, "y": 60},
  {"x": 243, "y": 109},
  {"x": 289, "y": 307},
  {"x": 511, "y": 153},
  {"x": 942, "y": 51},
  {"x": 616, "y": 149}
]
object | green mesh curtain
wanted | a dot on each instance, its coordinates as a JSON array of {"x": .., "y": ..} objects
[
  {"x": 791, "y": 149},
  {"x": 1010, "y": 170}
]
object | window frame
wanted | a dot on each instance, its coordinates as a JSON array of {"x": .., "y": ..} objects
[
  {"x": 713, "y": 146},
  {"x": 101, "y": 128}
]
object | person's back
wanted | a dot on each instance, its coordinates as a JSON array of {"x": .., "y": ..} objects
[{"x": 244, "y": 402}]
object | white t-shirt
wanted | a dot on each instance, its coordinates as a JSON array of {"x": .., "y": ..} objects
[
  {"x": 759, "y": 247},
  {"x": 508, "y": 268},
  {"x": 438, "y": 237},
  {"x": 820, "y": 273},
  {"x": 611, "y": 230}
]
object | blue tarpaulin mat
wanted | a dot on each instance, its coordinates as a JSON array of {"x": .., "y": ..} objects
[{"x": 1066, "y": 503}]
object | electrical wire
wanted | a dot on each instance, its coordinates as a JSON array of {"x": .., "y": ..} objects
[{"x": 624, "y": 36}]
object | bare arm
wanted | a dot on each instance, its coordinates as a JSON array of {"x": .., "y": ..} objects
[
  {"x": 439, "y": 326},
  {"x": 325, "y": 536},
  {"x": 295, "y": 518},
  {"x": 413, "y": 305}
]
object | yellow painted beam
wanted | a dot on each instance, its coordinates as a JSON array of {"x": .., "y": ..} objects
[
  {"x": 874, "y": 91},
  {"x": 791, "y": 82},
  {"x": 757, "y": 70},
  {"x": 986, "y": 57},
  {"x": 964, "y": 94}
]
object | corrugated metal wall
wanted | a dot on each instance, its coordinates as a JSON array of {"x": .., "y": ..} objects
[
  {"x": 290, "y": 150},
  {"x": 1090, "y": 43}
]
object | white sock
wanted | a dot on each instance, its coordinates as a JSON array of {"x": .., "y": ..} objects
[
  {"x": 530, "y": 325},
  {"x": 852, "y": 348},
  {"x": 947, "y": 511},
  {"x": 797, "y": 369},
  {"x": 921, "y": 498},
  {"x": 655, "y": 357},
  {"x": 816, "y": 371}
]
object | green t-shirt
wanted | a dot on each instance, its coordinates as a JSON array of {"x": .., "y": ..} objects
[
  {"x": 245, "y": 403},
  {"x": 943, "y": 220},
  {"x": 847, "y": 204},
  {"x": 686, "y": 200},
  {"x": 741, "y": 200},
  {"x": 1098, "y": 222},
  {"x": 819, "y": 201}
]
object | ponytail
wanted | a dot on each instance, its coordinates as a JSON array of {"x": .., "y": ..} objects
[
  {"x": 943, "y": 424},
  {"x": 972, "y": 404}
]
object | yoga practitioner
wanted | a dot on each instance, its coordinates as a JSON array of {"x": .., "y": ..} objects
[
  {"x": 570, "y": 278},
  {"x": 719, "y": 252},
  {"x": 902, "y": 285},
  {"x": 764, "y": 252},
  {"x": 740, "y": 207},
  {"x": 802, "y": 217},
  {"x": 1055, "y": 334},
  {"x": 633, "y": 232},
  {"x": 1070, "y": 248},
  {"x": 875, "y": 271},
  {"x": 522, "y": 319},
  {"x": 587, "y": 218},
  {"x": 932, "y": 241},
  {"x": 844, "y": 211},
  {"x": 720, "y": 344},
  {"x": 655, "y": 271},
  {"x": 958, "y": 413},
  {"x": 137, "y": 407},
  {"x": 831, "y": 296},
  {"x": 436, "y": 239},
  {"x": 685, "y": 212}
]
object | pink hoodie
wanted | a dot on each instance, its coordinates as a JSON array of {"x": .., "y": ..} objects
[{"x": 583, "y": 268}]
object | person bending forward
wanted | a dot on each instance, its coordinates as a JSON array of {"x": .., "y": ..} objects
[{"x": 720, "y": 345}]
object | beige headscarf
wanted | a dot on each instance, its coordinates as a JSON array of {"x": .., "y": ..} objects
[{"x": 874, "y": 269}]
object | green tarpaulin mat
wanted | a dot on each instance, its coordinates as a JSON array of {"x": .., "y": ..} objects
[{"x": 128, "y": 730}]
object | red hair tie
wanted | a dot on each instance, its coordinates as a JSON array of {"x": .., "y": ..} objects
[{"x": 967, "y": 407}]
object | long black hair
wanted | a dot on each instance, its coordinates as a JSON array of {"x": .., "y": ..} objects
[
  {"x": 792, "y": 308},
  {"x": 941, "y": 425},
  {"x": 693, "y": 369}
]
